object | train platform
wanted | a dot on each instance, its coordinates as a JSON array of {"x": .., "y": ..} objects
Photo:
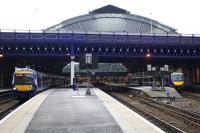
[
  {"x": 157, "y": 92},
  {"x": 62, "y": 110}
]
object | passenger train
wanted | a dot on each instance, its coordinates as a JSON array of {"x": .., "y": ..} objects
[
  {"x": 177, "y": 79},
  {"x": 27, "y": 82}
]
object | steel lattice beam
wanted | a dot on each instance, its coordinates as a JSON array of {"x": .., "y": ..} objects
[{"x": 109, "y": 45}]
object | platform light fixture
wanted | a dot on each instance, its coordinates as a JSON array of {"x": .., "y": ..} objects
[
  {"x": 166, "y": 68},
  {"x": 163, "y": 70},
  {"x": 1, "y": 55},
  {"x": 148, "y": 67}
]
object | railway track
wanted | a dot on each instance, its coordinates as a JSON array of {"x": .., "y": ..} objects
[
  {"x": 168, "y": 118},
  {"x": 189, "y": 114},
  {"x": 7, "y": 103},
  {"x": 191, "y": 96}
]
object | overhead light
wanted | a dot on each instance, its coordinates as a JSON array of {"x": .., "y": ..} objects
[{"x": 148, "y": 55}]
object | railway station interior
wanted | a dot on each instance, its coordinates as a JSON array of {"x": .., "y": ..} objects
[{"x": 87, "y": 69}]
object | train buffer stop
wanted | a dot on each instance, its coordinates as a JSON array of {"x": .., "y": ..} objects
[{"x": 59, "y": 110}]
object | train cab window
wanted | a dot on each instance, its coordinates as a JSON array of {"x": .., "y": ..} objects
[
  {"x": 177, "y": 77},
  {"x": 23, "y": 79}
]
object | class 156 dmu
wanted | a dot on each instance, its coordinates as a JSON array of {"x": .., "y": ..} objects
[{"x": 27, "y": 82}]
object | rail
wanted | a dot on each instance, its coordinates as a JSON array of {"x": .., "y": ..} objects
[
  {"x": 8, "y": 102},
  {"x": 167, "y": 126}
]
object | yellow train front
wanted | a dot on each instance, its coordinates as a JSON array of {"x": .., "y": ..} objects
[
  {"x": 24, "y": 83},
  {"x": 177, "y": 79}
]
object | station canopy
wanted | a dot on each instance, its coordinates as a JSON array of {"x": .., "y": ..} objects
[
  {"x": 111, "y": 19},
  {"x": 103, "y": 68}
]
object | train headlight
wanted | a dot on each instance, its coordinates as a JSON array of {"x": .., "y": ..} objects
[{"x": 14, "y": 88}]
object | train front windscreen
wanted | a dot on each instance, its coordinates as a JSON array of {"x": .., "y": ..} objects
[
  {"x": 177, "y": 77},
  {"x": 23, "y": 79}
]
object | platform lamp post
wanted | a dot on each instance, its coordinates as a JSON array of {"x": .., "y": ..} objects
[
  {"x": 88, "y": 62},
  {"x": 1, "y": 72},
  {"x": 72, "y": 71},
  {"x": 162, "y": 76},
  {"x": 152, "y": 70},
  {"x": 151, "y": 22},
  {"x": 164, "y": 70}
]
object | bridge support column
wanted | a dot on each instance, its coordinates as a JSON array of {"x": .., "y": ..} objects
[
  {"x": 6, "y": 72},
  {"x": 72, "y": 70},
  {"x": 1, "y": 79}
]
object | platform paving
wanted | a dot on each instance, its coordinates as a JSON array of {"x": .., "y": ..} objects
[
  {"x": 64, "y": 112},
  {"x": 18, "y": 120},
  {"x": 158, "y": 92}
]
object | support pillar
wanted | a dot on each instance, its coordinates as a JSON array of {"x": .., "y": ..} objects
[
  {"x": 72, "y": 70},
  {"x": 1, "y": 79},
  {"x": 88, "y": 92}
]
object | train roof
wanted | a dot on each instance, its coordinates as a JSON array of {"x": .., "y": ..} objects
[
  {"x": 24, "y": 71},
  {"x": 177, "y": 73}
]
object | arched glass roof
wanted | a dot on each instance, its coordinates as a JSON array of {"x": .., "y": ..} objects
[
  {"x": 102, "y": 68},
  {"x": 112, "y": 19}
]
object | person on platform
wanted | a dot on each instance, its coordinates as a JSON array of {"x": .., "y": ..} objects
[{"x": 75, "y": 87}]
